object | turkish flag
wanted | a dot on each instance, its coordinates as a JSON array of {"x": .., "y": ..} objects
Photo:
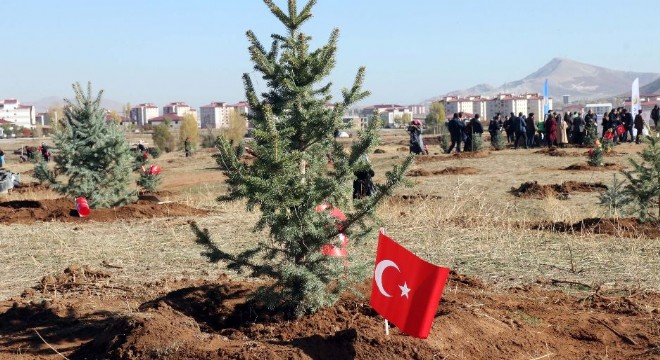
[
  {"x": 406, "y": 290},
  {"x": 331, "y": 249}
]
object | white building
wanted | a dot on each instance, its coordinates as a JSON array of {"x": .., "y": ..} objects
[
  {"x": 489, "y": 107},
  {"x": 391, "y": 115},
  {"x": 181, "y": 109},
  {"x": 214, "y": 115},
  {"x": 141, "y": 114},
  {"x": 12, "y": 111},
  {"x": 173, "y": 119}
]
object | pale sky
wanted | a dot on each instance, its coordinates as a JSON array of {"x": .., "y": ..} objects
[{"x": 196, "y": 51}]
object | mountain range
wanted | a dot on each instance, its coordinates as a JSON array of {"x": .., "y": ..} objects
[{"x": 569, "y": 77}]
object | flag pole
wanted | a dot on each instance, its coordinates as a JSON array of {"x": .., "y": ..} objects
[{"x": 387, "y": 323}]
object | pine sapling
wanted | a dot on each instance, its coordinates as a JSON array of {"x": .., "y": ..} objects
[
  {"x": 644, "y": 181},
  {"x": 297, "y": 165}
]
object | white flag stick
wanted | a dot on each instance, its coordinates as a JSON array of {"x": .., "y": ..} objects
[{"x": 387, "y": 327}]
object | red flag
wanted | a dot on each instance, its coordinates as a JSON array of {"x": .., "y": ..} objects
[{"x": 406, "y": 290}]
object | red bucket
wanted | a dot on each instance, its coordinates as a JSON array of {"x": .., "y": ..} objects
[{"x": 82, "y": 207}]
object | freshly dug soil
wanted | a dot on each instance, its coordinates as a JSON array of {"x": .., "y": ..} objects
[
  {"x": 533, "y": 190},
  {"x": 447, "y": 171},
  {"x": 622, "y": 227},
  {"x": 63, "y": 209},
  {"x": 379, "y": 151},
  {"x": 212, "y": 320},
  {"x": 556, "y": 152},
  {"x": 462, "y": 155},
  {"x": 605, "y": 167}
]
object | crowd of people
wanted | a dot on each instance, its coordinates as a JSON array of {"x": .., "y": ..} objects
[{"x": 554, "y": 130}]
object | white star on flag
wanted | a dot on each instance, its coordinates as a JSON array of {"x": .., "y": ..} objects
[{"x": 404, "y": 290}]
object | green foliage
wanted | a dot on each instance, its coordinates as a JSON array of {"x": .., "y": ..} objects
[
  {"x": 154, "y": 152},
  {"x": 163, "y": 138},
  {"x": 499, "y": 142},
  {"x": 41, "y": 171},
  {"x": 436, "y": 117},
  {"x": 93, "y": 155},
  {"x": 208, "y": 138},
  {"x": 615, "y": 198},
  {"x": 591, "y": 136},
  {"x": 477, "y": 142},
  {"x": 237, "y": 128},
  {"x": 149, "y": 182},
  {"x": 595, "y": 157},
  {"x": 289, "y": 177},
  {"x": 644, "y": 181},
  {"x": 190, "y": 131}
]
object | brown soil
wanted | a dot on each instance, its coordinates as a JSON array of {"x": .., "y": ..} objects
[
  {"x": 463, "y": 155},
  {"x": 556, "y": 152},
  {"x": 447, "y": 171},
  {"x": 27, "y": 188},
  {"x": 533, "y": 190},
  {"x": 411, "y": 199},
  {"x": 211, "y": 320},
  {"x": 63, "y": 209},
  {"x": 379, "y": 151},
  {"x": 605, "y": 167},
  {"x": 622, "y": 227}
]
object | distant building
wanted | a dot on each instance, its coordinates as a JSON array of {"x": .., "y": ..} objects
[
  {"x": 181, "y": 109},
  {"x": 647, "y": 103},
  {"x": 12, "y": 111},
  {"x": 391, "y": 115},
  {"x": 599, "y": 109},
  {"x": 489, "y": 107},
  {"x": 566, "y": 99},
  {"x": 174, "y": 120},
  {"x": 216, "y": 114},
  {"x": 356, "y": 122},
  {"x": 418, "y": 109},
  {"x": 141, "y": 114}
]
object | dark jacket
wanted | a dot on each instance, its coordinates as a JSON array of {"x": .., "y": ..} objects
[
  {"x": 456, "y": 126},
  {"x": 518, "y": 125}
]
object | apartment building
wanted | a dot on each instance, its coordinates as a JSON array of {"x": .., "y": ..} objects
[
  {"x": 214, "y": 115},
  {"x": 141, "y": 114},
  {"x": 391, "y": 114},
  {"x": 174, "y": 120},
  {"x": 181, "y": 109},
  {"x": 489, "y": 107},
  {"x": 12, "y": 111}
]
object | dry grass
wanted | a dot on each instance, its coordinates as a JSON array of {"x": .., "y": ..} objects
[{"x": 473, "y": 227}]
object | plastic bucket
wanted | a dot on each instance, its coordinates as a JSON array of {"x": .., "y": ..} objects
[
  {"x": 82, "y": 207},
  {"x": 154, "y": 170}
]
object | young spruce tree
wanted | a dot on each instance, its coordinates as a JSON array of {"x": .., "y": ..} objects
[
  {"x": 291, "y": 174},
  {"x": 93, "y": 154},
  {"x": 644, "y": 181}
]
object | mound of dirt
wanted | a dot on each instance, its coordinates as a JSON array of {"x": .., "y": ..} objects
[
  {"x": 622, "y": 227},
  {"x": 379, "y": 151},
  {"x": 213, "y": 320},
  {"x": 418, "y": 172},
  {"x": 447, "y": 171},
  {"x": 605, "y": 167},
  {"x": 463, "y": 155},
  {"x": 556, "y": 152},
  {"x": 62, "y": 209},
  {"x": 533, "y": 190},
  {"x": 457, "y": 171},
  {"x": 412, "y": 198},
  {"x": 29, "y": 187}
]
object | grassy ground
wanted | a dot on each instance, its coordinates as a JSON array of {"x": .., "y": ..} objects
[{"x": 472, "y": 227}]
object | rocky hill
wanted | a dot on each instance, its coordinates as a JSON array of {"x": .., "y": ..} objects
[{"x": 569, "y": 77}]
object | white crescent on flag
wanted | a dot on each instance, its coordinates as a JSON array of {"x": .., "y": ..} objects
[{"x": 378, "y": 274}]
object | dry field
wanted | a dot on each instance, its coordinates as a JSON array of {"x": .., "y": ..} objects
[{"x": 459, "y": 212}]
